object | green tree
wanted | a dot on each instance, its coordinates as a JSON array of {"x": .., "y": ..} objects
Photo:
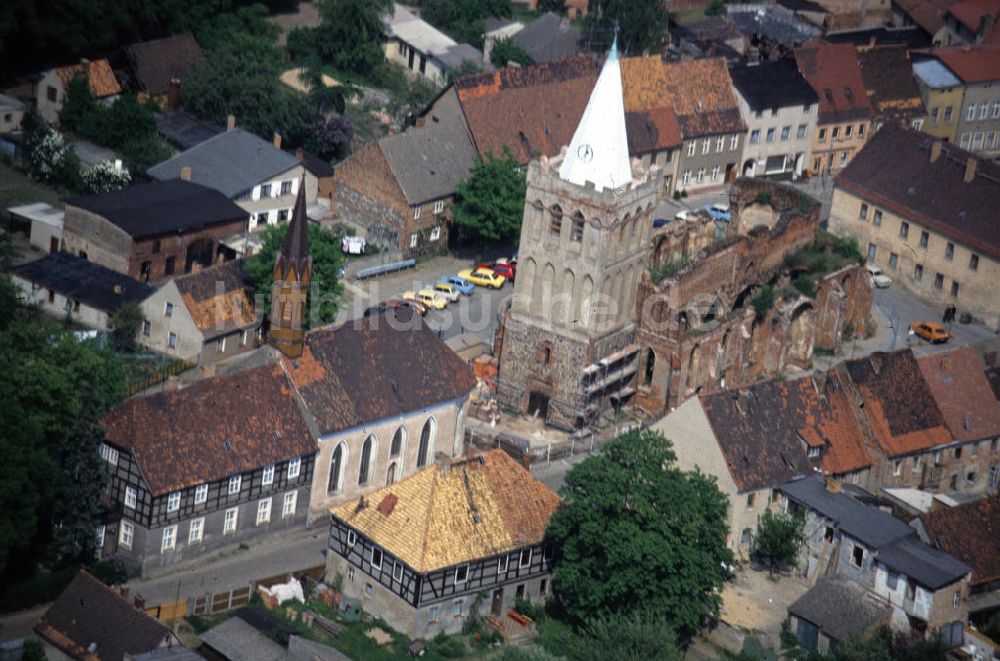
[
  {"x": 641, "y": 24},
  {"x": 466, "y": 68},
  {"x": 490, "y": 201},
  {"x": 507, "y": 50},
  {"x": 125, "y": 325},
  {"x": 79, "y": 103},
  {"x": 639, "y": 537},
  {"x": 780, "y": 537},
  {"x": 325, "y": 292},
  {"x": 463, "y": 19},
  {"x": 33, "y": 650},
  {"x": 350, "y": 34},
  {"x": 632, "y": 637},
  {"x": 556, "y": 6}
]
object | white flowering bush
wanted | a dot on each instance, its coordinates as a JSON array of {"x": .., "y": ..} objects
[
  {"x": 51, "y": 157},
  {"x": 105, "y": 177}
]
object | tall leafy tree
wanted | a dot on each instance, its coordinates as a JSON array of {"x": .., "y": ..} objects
[
  {"x": 490, "y": 201},
  {"x": 350, "y": 34},
  {"x": 506, "y": 50},
  {"x": 641, "y": 24},
  {"x": 639, "y": 537},
  {"x": 780, "y": 536},
  {"x": 79, "y": 103},
  {"x": 325, "y": 292},
  {"x": 463, "y": 19},
  {"x": 125, "y": 325}
]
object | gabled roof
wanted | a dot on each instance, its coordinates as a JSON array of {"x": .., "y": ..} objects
[
  {"x": 702, "y": 98},
  {"x": 477, "y": 507},
  {"x": 89, "y": 613},
  {"x": 934, "y": 74},
  {"x": 548, "y": 37},
  {"x": 896, "y": 402},
  {"x": 155, "y": 63},
  {"x": 928, "y": 14},
  {"x": 894, "y": 170},
  {"x": 233, "y": 423},
  {"x": 102, "y": 79},
  {"x": 970, "y": 532},
  {"x": 237, "y": 639},
  {"x": 649, "y": 119},
  {"x": 922, "y": 563},
  {"x": 970, "y": 12},
  {"x": 92, "y": 284},
  {"x": 406, "y": 26},
  {"x": 910, "y": 36},
  {"x": 833, "y": 71},
  {"x": 841, "y": 608},
  {"x": 772, "y": 22},
  {"x": 232, "y": 162},
  {"x": 161, "y": 207},
  {"x": 184, "y": 129},
  {"x": 218, "y": 298},
  {"x": 962, "y": 392},
  {"x": 429, "y": 161},
  {"x": 380, "y": 366},
  {"x": 972, "y": 64},
  {"x": 757, "y": 431},
  {"x": 772, "y": 85},
  {"x": 888, "y": 76}
]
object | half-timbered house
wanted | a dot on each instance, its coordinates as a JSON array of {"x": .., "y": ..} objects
[
  {"x": 463, "y": 537},
  {"x": 205, "y": 467}
]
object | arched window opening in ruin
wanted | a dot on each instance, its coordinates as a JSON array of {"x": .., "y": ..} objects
[{"x": 647, "y": 378}]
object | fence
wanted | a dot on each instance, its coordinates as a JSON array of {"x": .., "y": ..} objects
[
  {"x": 352, "y": 267},
  {"x": 157, "y": 376}
]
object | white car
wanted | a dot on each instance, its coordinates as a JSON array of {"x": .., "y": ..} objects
[
  {"x": 683, "y": 214},
  {"x": 879, "y": 279}
]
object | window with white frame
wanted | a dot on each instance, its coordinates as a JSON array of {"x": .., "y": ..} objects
[
  {"x": 376, "y": 558},
  {"x": 169, "y": 539},
  {"x": 196, "y": 530},
  {"x": 734, "y": 142},
  {"x": 200, "y": 494},
  {"x": 294, "y": 466},
  {"x": 438, "y": 206},
  {"x": 432, "y": 614},
  {"x": 956, "y": 599},
  {"x": 229, "y": 525},
  {"x": 770, "y": 135},
  {"x": 984, "y": 110},
  {"x": 686, "y": 177},
  {"x": 168, "y": 309},
  {"x": 435, "y": 233},
  {"x": 897, "y": 467},
  {"x": 691, "y": 148},
  {"x": 416, "y": 213},
  {"x": 701, "y": 175},
  {"x": 413, "y": 240},
  {"x": 503, "y": 562},
  {"x": 720, "y": 143},
  {"x": 130, "y": 497},
  {"x": 352, "y": 538},
  {"x": 286, "y": 187},
  {"x": 268, "y": 476},
  {"x": 970, "y": 112},
  {"x": 965, "y": 141},
  {"x": 397, "y": 571},
  {"x": 786, "y": 132},
  {"x": 800, "y": 132},
  {"x": 915, "y": 464},
  {"x": 265, "y": 190},
  {"x": 456, "y": 608},
  {"x": 109, "y": 454},
  {"x": 706, "y": 144},
  {"x": 754, "y": 136},
  {"x": 234, "y": 484},
  {"x": 174, "y": 501},
  {"x": 715, "y": 173},
  {"x": 461, "y": 573},
  {"x": 525, "y": 559},
  {"x": 288, "y": 504},
  {"x": 996, "y": 110},
  {"x": 263, "y": 511},
  {"x": 172, "y": 340},
  {"x": 126, "y": 535},
  {"x": 99, "y": 538}
]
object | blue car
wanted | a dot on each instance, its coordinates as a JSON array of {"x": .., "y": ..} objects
[
  {"x": 718, "y": 211},
  {"x": 461, "y": 284}
]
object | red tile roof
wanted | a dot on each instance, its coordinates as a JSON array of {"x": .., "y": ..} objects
[
  {"x": 701, "y": 95},
  {"x": 894, "y": 170},
  {"x": 102, "y": 79},
  {"x": 212, "y": 429},
  {"x": 970, "y": 12},
  {"x": 959, "y": 386},
  {"x": 928, "y": 14},
  {"x": 972, "y": 64},
  {"x": 971, "y": 533},
  {"x": 833, "y": 71}
]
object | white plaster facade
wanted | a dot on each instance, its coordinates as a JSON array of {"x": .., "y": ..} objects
[
  {"x": 779, "y": 140},
  {"x": 60, "y": 306}
]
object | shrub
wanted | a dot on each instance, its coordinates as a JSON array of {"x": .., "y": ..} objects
[
  {"x": 450, "y": 647},
  {"x": 764, "y": 197},
  {"x": 804, "y": 204},
  {"x": 677, "y": 195},
  {"x": 763, "y": 301},
  {"x": 666, "y": 269},
  {"x": 529, "y": 609},
  {"x": 53, "y": 160},
  {"x": 805, "y": 284},
  {"x": 105, "y": 177},
  {"x": 684, "y": 193}
]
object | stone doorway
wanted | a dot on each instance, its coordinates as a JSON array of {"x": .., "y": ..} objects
[
  {"x": 538, "y": 404},
  {"x": 496, "y": 606}
]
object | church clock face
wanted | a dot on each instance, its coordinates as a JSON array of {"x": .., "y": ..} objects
[{"x": 585, "y": 152}]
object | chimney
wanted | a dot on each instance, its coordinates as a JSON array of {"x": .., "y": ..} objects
[
  {"x": 230, "y": 122},
  {"x": 833, "y": 485},
  {"x": 935, "y": 150},
  {"x": 277, "y": 141},
  {"x": 298, "y": 154},
  {"x": 174, "y": 94},
  {"x": 186, "y": 173},
  {"x": 970, "y": 171},
  {"x": 118, "y": 290}
]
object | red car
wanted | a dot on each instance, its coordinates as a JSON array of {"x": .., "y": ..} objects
[
  {"x": 417, "y": 306},
  {"x": 501, "y": 268}
]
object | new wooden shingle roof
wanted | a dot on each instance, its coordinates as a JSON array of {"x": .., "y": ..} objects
[
  {"x": 477, "y": 507},
  {"x": 962, "y": 392},
  {"x": 155, "y": 63},
  {"x": 218, "y": 298},
  {"x": 102, "y": 79}
]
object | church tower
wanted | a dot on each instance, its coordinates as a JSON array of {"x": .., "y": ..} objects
[
  {"x": 292, "y": 277},
  {"x": 567, "y": 350}
]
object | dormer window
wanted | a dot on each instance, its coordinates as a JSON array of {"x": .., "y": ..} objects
[{"x": 813, "y": 453}]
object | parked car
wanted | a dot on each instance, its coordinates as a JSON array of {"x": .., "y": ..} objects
[
  {"x": 427, "y": 297},
  {"x": 483, "y": 277},
  {"x": 461, "y": 284},
  {"x": 505, "y": 269},
  {"x": 718, "y": 211},
  {"x": 418, "y": 307},
  {"x": 879, "y": 279},
  {"x": 930, "y": 331},
  {"x": 683, "y": 214},
  {"x": 660, "y": 222},
  {"x": 447, "y": 291}
]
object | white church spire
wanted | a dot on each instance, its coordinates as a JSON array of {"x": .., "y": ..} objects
[{"x": 599, "y": 150}]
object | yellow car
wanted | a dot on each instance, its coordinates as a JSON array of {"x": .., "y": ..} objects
[
  {"x": 930, "y": 331},
  {"x": 426, "y": 297},
  {"x": 483, "y": 277},
  {"x": 446, "y": 291}
]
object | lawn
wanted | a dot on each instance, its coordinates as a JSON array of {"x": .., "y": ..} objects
[{"x": 16, "y": 188}]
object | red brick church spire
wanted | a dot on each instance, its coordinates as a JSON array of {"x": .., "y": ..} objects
[{"x": 292, "y": 276}]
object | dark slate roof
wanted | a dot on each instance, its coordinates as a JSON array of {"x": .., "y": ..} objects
[
  {"x": 548, "y": 37},
  {"x": 971, "y": 533},
  {"x": 757, "y": 436},
  {"x": 315, "y": 165},
  {"x": 212, "y": 429},
  {"x": 841, "y": 608},
  {"x": 161, "y": 207},
  {"x": 803, "y": 5},
  {"x": 232, "y": 162},
  {"x": 376, "y": 367},
  {"x": 889, "y": 80},
  {"x": 88, "y": 612},
  {"x": 910, "y": 36},
  {"x": 772, "y": 22},
  {"x": 870, "y": 526},
  {"x": 92, "y": 284},
  {"x": 184, "y": 129},
  {"x": 429, "y": 161},
  {"x": 773, "y": 85},
  {"x": 924, "y": 564},
  {"x": 894, "y": 170},
  {"x": 155, "y": 63}
]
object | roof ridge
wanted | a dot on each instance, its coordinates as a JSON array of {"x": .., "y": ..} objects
[{"x": 427, "y": 517}]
